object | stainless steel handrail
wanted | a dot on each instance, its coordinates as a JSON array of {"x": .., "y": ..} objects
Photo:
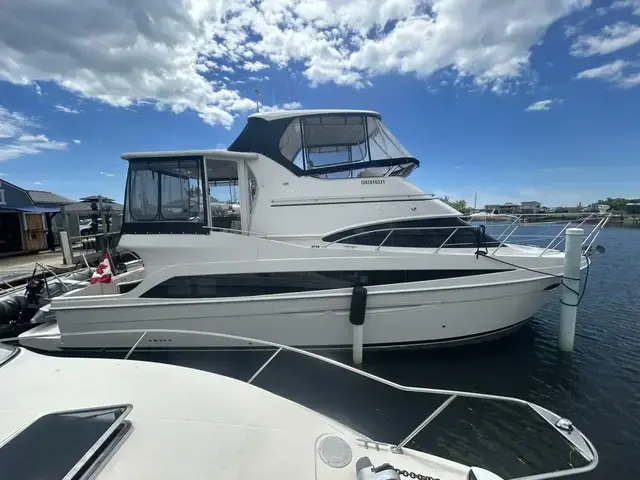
[
  {"x": 509, "y": 231},
  {"x": 576, "y": 438},
  {"x": 448, "y": 238},
  {"x": 248, "y": 233},
  {"x": 564, "y": 229},
  {"x": 398, "y": 229}
]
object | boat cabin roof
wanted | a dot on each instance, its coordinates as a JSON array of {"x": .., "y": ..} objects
[
  {"x": 305, "y": 113},
  {"x": 226, "y": 154}
]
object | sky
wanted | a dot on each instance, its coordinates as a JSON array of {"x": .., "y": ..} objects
[{"x": 512, "y": 100}]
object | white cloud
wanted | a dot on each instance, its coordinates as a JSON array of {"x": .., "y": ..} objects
[
  {"x": 255, "y": 66},
  {"x": 542, "y": 105},
  {"x": 16, "y": 140},
  {"x": 107, "y": 174},
  {"x": 619, "y": 72},
  {"x": 37, "y": 88},
  {"x": 291, "y": 105},
  {"x": 174, "y": 53},
  {"x": 611, "y": 38},
  {"x": 13, "y": 123},
  {"x": 284, "y": 106},
  {"x": 77, "y": 142},
  {"x": 38, "y": 183},
  {"x": 3, "y": 174},
  {"x": 64, "y": 109},
  {"x": 633, "y": 5}
]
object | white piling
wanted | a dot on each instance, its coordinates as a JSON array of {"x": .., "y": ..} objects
[
  {"x": 358, "y": 343},
  {"x": 570, "y": 288}
]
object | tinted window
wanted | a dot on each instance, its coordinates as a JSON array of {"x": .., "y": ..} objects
[
  {"x": 55, "y": 444},
  {"x": 164, "y": 190},
  {"x": 422, "y": 233},
  {"x": 251, "y": 284},
  {"x": 142, "y": 194}
]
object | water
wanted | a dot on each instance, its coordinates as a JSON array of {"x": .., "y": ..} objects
[{"x": 597, "y": 386}]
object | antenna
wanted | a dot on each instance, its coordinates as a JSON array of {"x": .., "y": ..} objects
[{"x": 257, "y": 92}]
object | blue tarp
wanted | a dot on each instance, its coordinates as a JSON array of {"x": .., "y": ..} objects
[{"x": 29, "y": 209}]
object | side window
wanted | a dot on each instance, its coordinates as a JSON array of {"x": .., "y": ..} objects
[
  {"x": 382, "y": 143},
  {"x": 143, "y": 193},
  {"x": 291, "y": 142},
  {"x": 423, "y": 233}
]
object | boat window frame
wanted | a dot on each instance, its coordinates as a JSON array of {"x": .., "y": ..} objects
[
  {"x": 160, "y": 225},
  {"x": 92, "y": 459},
  {"x": 257, "y": 137}
]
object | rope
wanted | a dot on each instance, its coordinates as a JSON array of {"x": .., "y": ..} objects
[{"x": 562, "y": 278}]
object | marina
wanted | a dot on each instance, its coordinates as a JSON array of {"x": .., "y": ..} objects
[
  {"x": 595, "y": 386},
  {"x": 205, "y": 285}
]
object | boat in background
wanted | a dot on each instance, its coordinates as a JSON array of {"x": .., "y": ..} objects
[
  {"x": 324, "y": 207},
  {"x": 125, "y": 419}
]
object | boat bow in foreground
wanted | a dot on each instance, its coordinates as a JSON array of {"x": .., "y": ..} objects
[{"x": 126, "y": 419}]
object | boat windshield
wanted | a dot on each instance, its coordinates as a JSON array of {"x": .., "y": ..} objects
[
  {"x": 165, "y": 191},
  {"x": 313, "y": 143},
  {"x": 334, "y": 145}
]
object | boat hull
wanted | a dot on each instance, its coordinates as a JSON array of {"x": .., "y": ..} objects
[{"x": 400, "y": 315}]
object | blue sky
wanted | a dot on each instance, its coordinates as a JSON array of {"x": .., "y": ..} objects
[{"x": 513, "y": 99}]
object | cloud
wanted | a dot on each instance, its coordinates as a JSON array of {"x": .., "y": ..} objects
[
  {"x": 3, "y": 174},
  {"x": 77, "y": 142},
  {"x": 16, "y": 139},
  {"x": 38, "y": 183},
  {"x": 107, "y": 174},
  {"x": 174, "y": 53},
  {"x": 37, "y": 89},
  {"x": 13, "y": 123},
  {"x": 542, "y": 105},
  {"x": 255, "y": 66},
  {"x": 621, "y": 73},
  {"x": 64, "y": 109},
  {"x": 611, "y": 38},
  {"x": 291, "y": 106},
  {"x": 633, "y": 5}
]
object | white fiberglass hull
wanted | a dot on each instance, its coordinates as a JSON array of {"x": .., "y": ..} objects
[{"x": 398, "y": 315}]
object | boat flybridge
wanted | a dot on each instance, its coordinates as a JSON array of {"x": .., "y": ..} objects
[{"x": 304, "y": 225}]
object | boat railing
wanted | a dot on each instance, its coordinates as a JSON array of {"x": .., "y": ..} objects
[
  {"x": 247, "y": 233},
  {"x": 509, "y": 232},
  {"x": 562, "y": 426}
]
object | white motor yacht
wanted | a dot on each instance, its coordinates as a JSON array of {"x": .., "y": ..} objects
[
  {"x": 88, "y": 418},
  {"x": 319, "y": 207}
]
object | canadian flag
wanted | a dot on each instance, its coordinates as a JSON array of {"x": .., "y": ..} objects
[{"x": 103, "y": 272}]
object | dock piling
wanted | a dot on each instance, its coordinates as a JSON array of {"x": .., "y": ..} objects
[{"x": 570, "y": 288}]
